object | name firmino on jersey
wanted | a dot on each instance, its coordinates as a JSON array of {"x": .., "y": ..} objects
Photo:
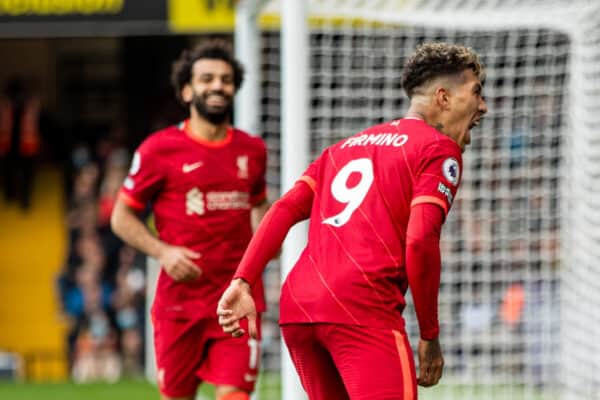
[{"x": 379, "y": 139}]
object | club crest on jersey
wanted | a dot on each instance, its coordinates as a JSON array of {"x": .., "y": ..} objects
[
  {"x": 242, "y": 165},
  {"x": 451, "y": 171},
  {"x": 194, "y": 202}
]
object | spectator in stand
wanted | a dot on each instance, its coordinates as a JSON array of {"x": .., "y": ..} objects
[
  {"x": 19, "y": 141},
  {"x": 128, "y": 302},
  {"x": 96, "y": 356},
  {"x": 102, "y": 286}
]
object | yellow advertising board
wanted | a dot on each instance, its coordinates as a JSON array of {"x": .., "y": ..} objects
[
  {"x": 48, "y": 18},
  {"x": 186, "y": 16}
]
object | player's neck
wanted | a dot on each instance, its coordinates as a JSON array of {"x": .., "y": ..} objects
[
  {"x": 430, "y": 119},
  {"x": 202, "y": 129},
  {"x": 411, "y": 114}
]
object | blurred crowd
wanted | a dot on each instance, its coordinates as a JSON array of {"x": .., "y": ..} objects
[
  {"x": 20, "y": 140},
  {"x": 102, "y": 285}
]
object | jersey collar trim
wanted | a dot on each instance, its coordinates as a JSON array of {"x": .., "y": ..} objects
[{"x": 185, "y": 127}]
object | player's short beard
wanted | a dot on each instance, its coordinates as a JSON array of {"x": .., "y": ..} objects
[{"x": 214, "y": 116}]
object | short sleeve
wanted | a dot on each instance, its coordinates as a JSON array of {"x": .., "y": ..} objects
[
  {"x": 310, "y": 174},
  {"x": 438, "y": 177},
  {"x": 145, "y": 178},
  {"x": 259, "y": 188}
]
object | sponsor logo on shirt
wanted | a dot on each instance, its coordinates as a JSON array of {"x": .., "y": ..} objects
[
  {"x": 242, "y": 165},
  {"x": 187, "y": 168},
  {"x": 451, "y": 170},
  {"x": 445, "y": 190},
  {"x": 377, "y": 139},
  {"x": 227, "y": 201},
  {"x": 197, "y": 202}
]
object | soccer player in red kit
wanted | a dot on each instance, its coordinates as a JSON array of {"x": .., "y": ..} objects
[
  {"x": 376, "y": 202},
  {"x": 205, "y": 181}
]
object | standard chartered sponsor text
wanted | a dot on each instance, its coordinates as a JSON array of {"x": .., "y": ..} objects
[
  {"x": 59, "y": 7},
  {"x": 227, "y": 201}
]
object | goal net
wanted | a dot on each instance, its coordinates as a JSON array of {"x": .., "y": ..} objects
[{"x": 520, "y": 294}]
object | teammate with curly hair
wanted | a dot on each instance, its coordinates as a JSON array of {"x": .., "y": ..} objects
[
  {"x": 205, "y": 182},
  {"x": 376, "y": 202}
]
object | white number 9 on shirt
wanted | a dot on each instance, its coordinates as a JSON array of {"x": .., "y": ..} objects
[{"x": 354, "y": 196}]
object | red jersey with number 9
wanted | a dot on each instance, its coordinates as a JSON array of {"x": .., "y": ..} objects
[
  {"x": 201, "y": 194},
  {"x": 352, "y": 270}
]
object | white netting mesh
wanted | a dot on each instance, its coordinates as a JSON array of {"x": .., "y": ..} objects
[{"x": 520, "y": 295}]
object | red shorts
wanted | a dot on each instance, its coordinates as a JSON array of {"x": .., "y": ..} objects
[
  {"x": 352, "y": 362},
  {"x": 189, "y": 352}
]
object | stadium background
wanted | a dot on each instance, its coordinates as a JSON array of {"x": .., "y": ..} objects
[{"x": 101, "y": 69}]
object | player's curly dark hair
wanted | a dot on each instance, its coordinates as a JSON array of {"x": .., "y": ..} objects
[
  {"x": 436, "y": 59},
  {"x": 214, "y": 49}
]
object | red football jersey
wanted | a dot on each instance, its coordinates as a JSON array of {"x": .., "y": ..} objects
[
  {"x": 352, "y": 270},
  {"x": 201, "y": 194}
]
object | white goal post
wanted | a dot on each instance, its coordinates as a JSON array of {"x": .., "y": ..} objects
[{"x": 520, "y": 288}]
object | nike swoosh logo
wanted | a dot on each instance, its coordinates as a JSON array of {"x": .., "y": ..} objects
[{"x": 190, "y": 167}]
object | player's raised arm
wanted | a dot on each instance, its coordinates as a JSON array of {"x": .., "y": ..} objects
[{"x": 236, "y": 303}]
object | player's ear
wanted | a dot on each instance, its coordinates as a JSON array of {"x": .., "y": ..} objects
[
  {"x": 442, "y": 97},
  {"x": 187, "y": 93}
]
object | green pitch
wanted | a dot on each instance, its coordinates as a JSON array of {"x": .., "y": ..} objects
[
  {"x": 70, "y": 391},
  {"x": 269, "y": 389}
]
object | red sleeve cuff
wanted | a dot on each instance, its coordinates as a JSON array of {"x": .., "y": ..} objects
[
  {"x": 430, "y": 334},
  {"x": 130, "y": 201},
  {"x": 309, "y": 181},
  {"x": 430, "y": 200}
]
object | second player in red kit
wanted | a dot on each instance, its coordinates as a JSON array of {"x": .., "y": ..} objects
[
  {"x": 376, "y": 203},
  {"x": 205, "y": 182}
]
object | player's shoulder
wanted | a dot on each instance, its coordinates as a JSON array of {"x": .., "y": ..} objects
[
  {"x": 427, "y": 137},
  {"x": 440, "y": 144},
  {"x": 249, "y": 141},
  {"x": 161, "y": 138}
]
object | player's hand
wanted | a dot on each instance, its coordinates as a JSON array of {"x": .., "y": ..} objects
[
  {"x": 235, "y": 304},
  {"x": 179, "y": 263},
  {"x": 431, "y": 362}
]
